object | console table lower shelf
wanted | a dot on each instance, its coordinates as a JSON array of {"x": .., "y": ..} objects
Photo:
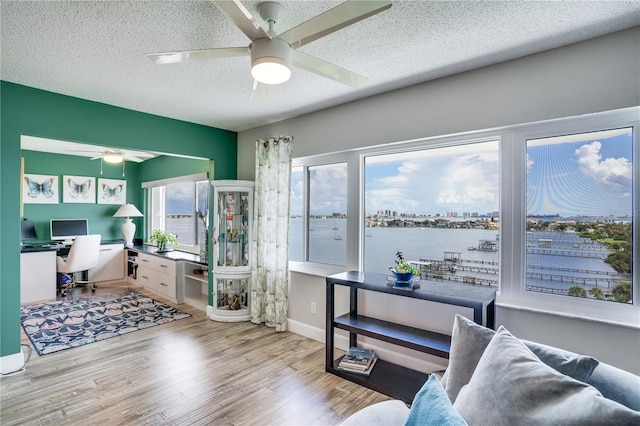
[
  {"x": 394, "y": 380},
  {"x": 387, "y": 378}
]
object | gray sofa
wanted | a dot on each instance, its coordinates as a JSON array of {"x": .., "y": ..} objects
[{"x": 494, "y": 378}]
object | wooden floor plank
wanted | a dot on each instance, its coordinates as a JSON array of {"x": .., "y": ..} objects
[{"x": 189, "y": 372}]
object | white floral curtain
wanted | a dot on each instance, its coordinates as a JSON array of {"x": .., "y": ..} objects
[{"x": 270, "y": 241}]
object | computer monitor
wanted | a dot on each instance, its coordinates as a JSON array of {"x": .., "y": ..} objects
[
  {"x": 27, "y": 231},
  {"x": 67, "y": 230}
]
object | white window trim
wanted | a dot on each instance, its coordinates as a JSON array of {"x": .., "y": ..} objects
[
  {"x": 512, "y": 293},
  {"x": 513, "y": 222},
  {"x": 196, "y": 177}
]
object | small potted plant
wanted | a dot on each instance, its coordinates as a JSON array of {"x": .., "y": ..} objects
[
  {"x": 403, "y": 271},
  {"x": 164, "y": 240}
]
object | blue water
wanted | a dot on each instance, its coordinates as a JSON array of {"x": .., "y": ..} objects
[
  {"x": 563, "y": 258},
  {"x": 381, "y": 244}
]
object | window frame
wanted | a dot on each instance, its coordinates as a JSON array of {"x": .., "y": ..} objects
[
  {"x": 512, "y": 207},
  {"x": 351, "y": 262},
  {"x": 160, "y": 185},
  {"x": 513, "y": 291}
]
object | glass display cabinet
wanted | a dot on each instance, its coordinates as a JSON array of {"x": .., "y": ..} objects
[
  {"x": 232, "y": 221},
  {"x": 231, "y": 297}
]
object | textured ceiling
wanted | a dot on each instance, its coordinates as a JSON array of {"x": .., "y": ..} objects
[{"x": 95, "y": 50}]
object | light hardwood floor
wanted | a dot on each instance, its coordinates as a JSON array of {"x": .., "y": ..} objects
[{"x": 189, "y": 372}]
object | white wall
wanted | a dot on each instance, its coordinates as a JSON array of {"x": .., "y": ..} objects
[{"x": 597, "y": 75}]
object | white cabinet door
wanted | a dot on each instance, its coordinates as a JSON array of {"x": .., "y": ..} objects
[
  {"x": 110, "y": 263},
  {"x": 37, "y": 276}
]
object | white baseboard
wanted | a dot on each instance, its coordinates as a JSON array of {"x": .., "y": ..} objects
[
  {"x": 315, "y": 333},
  {"x": 306, "y": 330},
  {"x": 11, "y": 363},
  {"x": 388, "y": 352}
]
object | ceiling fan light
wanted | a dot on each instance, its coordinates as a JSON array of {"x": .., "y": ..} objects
[
  {"x": 270, "y": 61},
  {"x": 271, "y": 72},
  {"x": 112, "y": 158}
]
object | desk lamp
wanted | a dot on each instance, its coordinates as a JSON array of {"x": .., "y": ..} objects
[{"x": 128, "y": 227}]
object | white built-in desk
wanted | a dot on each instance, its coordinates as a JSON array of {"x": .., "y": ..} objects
[{"x": 38, "y": 269}]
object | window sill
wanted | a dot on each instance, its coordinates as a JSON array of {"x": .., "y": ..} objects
[
  {"x": 317, "y": 269},
  {"x": 570, "y": 315}
]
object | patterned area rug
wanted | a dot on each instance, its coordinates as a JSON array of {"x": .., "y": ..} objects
[{"x": 56, "y": 326}]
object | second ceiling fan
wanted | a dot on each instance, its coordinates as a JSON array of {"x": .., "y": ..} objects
[{"x": 273, "y": 54}]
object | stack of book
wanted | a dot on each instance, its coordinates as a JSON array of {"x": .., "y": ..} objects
[{"x": 358, "y": 361}]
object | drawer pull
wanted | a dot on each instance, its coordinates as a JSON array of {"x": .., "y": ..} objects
[
  {"x": 163, "y": 284},
  {"x": 145, "y": 277},
  {"x": 144, "y": 260}
]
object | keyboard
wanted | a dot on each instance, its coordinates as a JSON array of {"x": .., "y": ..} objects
[{"x": 42, "y": 245}]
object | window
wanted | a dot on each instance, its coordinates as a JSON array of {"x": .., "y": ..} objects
[
  {"x": 327, "y": 218},
  {"x": 328, "y": 213},
  {"x": 180, "y": 206},
  {"x": 579, "y": 239},
  {"x": 545, "y": 211},
  {"x": 439, "y": 207}
]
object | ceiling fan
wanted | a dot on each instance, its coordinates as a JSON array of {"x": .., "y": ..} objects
[
  {"x": 273, "y": 54},
  {"x": 112, "y": 155}
]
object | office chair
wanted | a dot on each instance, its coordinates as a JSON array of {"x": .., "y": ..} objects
[{"x": 83, "y": 255}]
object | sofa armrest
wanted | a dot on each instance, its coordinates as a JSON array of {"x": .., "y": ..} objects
[
  {"x": 616, "y": 384},
  {"x": 385, "y": 413}
]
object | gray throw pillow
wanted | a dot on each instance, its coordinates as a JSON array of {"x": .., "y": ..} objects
[
  {"x": 469, "y": 340},
  {"x": 511, "y": 386}
]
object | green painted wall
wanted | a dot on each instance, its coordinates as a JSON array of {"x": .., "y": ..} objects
[
  {"x": 167, "y": 167},
  {"x": 100, "y": 216},
  {"x": 29, "y": 111}
]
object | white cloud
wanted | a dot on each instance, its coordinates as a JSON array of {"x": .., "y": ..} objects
[
  {"x": 438, "y": 184},
  {"x": 613, "y": 171},
  {"x": 180, "y": 190},
  {"x": 328, "y": 189},
  {"x": 529, "y": 162},
  {"x": 470, "y": 182}
]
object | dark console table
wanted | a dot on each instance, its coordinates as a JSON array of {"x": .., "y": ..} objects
[{"x": 391, "y": 379}]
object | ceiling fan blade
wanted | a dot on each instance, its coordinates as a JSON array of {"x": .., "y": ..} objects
[
  {"x": 240, "y": 16},
  {"x": 81, "y": 150},
  {"x": 134, "y": 159},
  {"x": 337, "y": 18},
  {"x": 325, "y": 69},
  {"x": 259, "y": 91},
  {"x": 197, "y": 55}
]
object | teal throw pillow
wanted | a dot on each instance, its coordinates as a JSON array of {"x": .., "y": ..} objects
[{"x": 431, "y": 406}]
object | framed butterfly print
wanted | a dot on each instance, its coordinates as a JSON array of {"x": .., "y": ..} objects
[
  {"x": 40, "y": 189},
  {"x": 112, "y": 191},
  {"x": 79, "y": 189}
]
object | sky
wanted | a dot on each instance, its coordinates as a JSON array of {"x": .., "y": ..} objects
[
  {"x": 591, "y": 175},
  {"x": 180, "y": 197},
  {"x": 452, "y": 179},
  {"x": 588, "y": 174}
]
